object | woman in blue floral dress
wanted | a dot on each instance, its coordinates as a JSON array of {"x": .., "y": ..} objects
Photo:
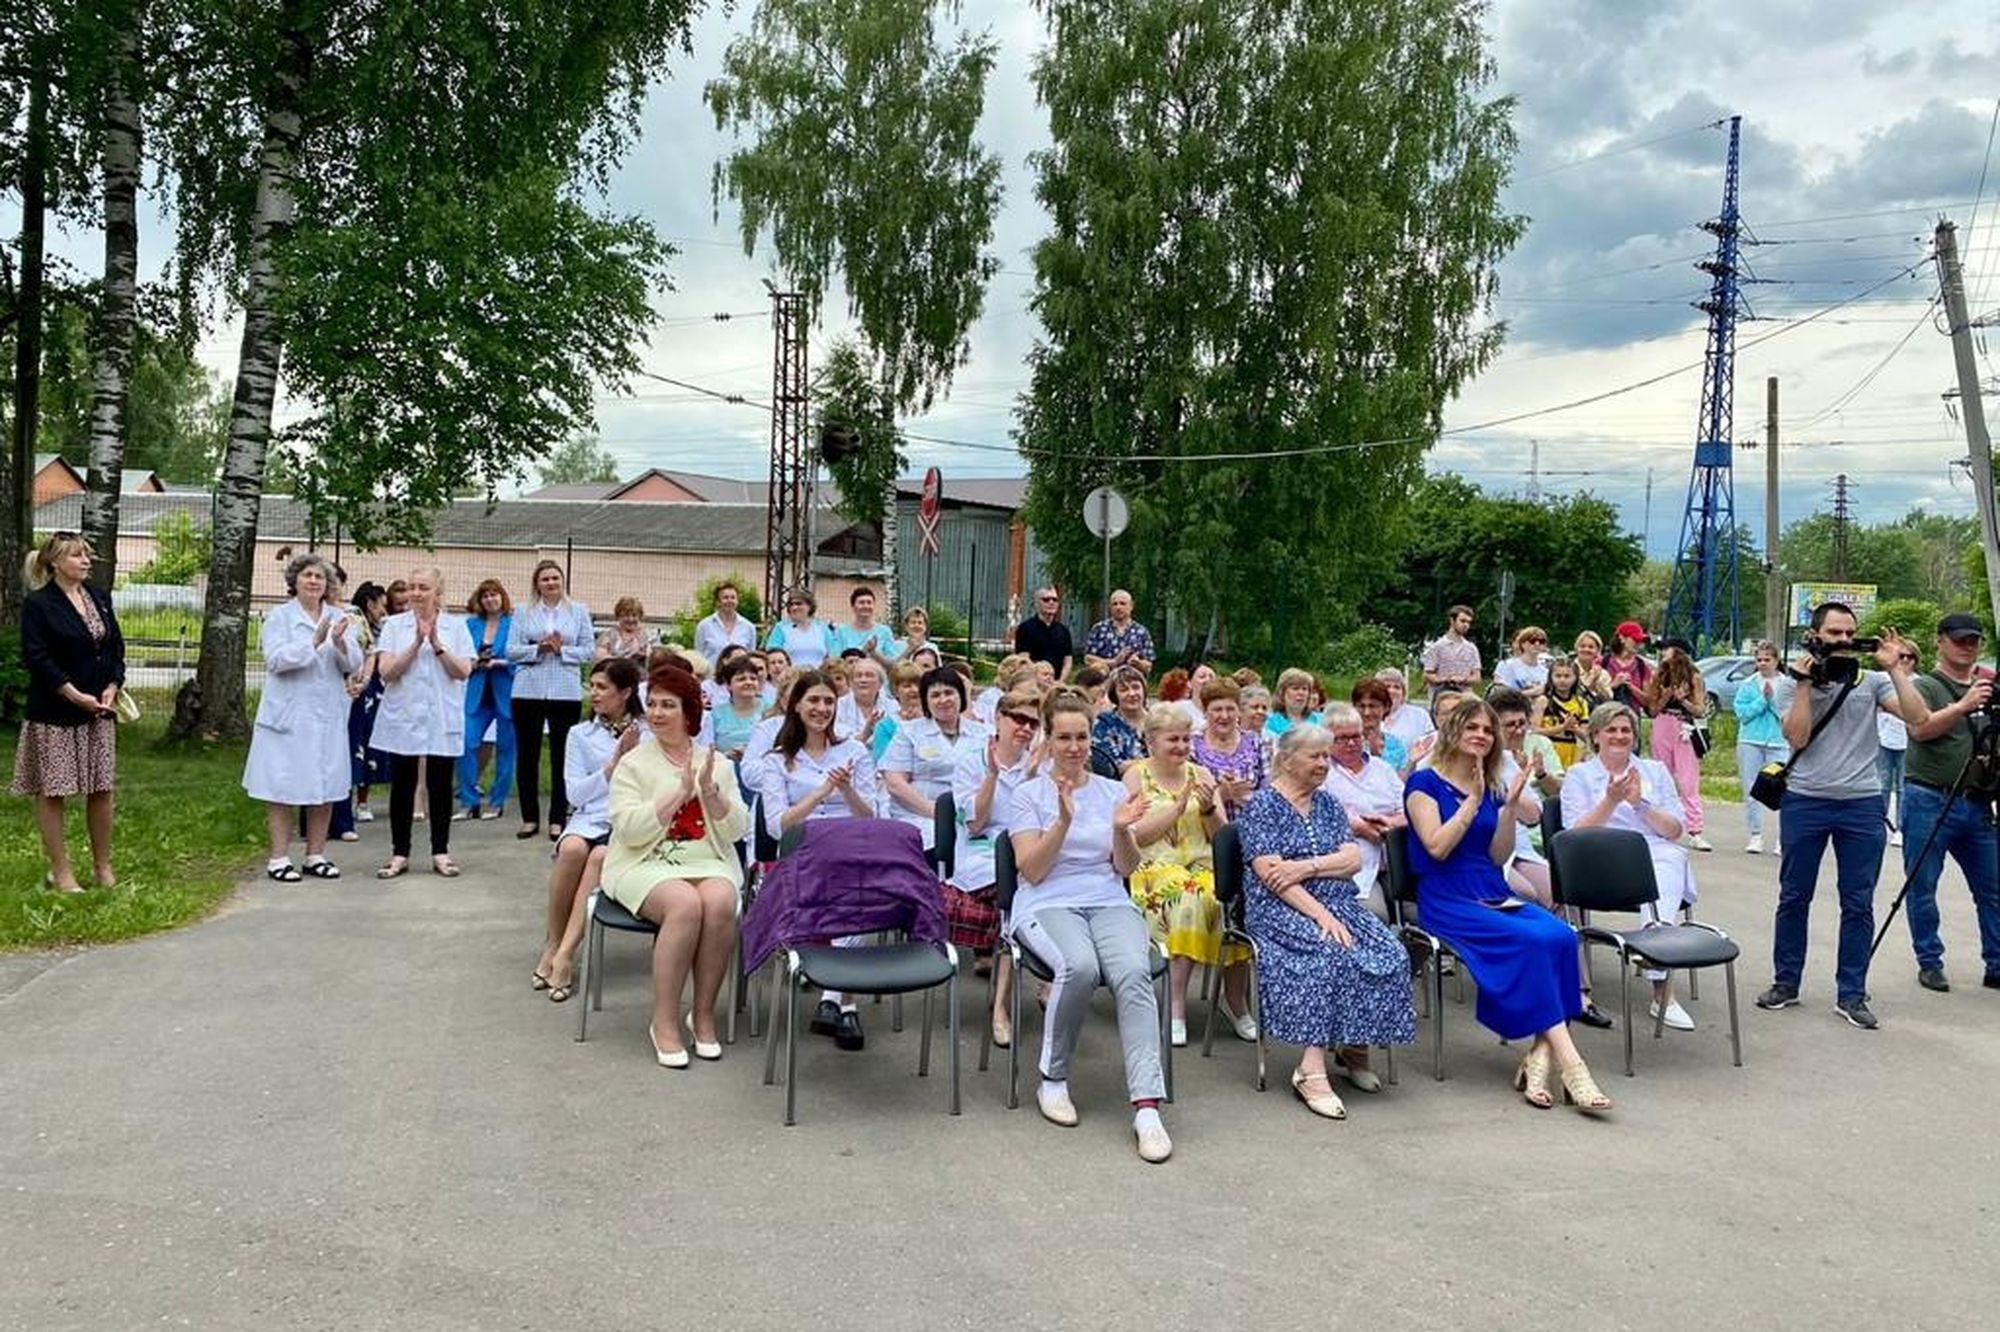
[{"x": 1328, "y": 972}]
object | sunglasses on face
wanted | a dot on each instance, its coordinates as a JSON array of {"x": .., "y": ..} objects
[{"x": 1022, "y": 718}]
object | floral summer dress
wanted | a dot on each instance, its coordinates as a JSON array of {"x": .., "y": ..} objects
[{"x": 1174, "y": 885}]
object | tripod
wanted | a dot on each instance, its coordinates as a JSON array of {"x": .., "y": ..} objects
[{"x": 1981, "y": 759}]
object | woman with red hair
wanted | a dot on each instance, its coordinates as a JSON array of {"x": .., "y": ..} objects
[{"x": 676, "y": 814}]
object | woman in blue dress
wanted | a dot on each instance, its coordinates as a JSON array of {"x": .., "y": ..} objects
[
  {"x": 1328, "y": 972},
  {"x": 1522, "y": 957}
]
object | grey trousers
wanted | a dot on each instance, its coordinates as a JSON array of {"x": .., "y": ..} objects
[{"x": 1083, "y": 947}]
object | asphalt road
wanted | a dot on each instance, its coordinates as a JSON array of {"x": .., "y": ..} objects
[{"x": 343, "y": 1106}]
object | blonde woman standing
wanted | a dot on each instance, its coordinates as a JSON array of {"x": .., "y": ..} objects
[
  {"x": 75, "y": 658},
  {"x": 424, "y": 657}
]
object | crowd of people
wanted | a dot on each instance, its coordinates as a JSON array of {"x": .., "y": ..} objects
[{"x": 1112, "y": 781}]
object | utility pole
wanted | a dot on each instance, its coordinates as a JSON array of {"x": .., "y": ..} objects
[
  {"x": 1841, "y": 515},
  {"x": 1978, "y": 444},
  {"x": 1534, "y": 471},
  {"x": 1646, "y": 537},
  {"x": 1774, "y": 589},
  {"x": 788, "y": 550}
]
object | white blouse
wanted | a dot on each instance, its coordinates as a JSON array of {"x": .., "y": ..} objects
[
  {"x": 783, "y": 783},
  {"x": 590, "y": 748},
  {"x": 423, "y": 710},
  {"x": 554, "y": 675},
  {"x": 1376, "y": 790},
  {"x": 972, "y": 862},
  {"x": 1584, "y": 785}
]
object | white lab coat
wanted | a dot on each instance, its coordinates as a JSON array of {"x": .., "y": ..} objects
[
  {"x": 423, "y": 710},
  {"x": 298, "y": 750}
]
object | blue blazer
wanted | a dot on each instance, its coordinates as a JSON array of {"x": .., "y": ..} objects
[{"x": 499, "y": 677}]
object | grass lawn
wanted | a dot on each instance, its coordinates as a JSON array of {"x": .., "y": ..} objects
[{"x": 184, "y": 834}]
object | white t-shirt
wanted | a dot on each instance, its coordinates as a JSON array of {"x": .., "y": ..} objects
[
  {"x": 972, "y": 865},
  {"x": 1409, "y": 723},
  {"x": 1890, "y": 732},
  {"x": 1082, "y": 875},
  {"x": 1521, "y": 675},
  {"x": 1376, "y": 790}
]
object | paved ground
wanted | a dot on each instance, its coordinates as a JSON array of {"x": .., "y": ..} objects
[{"x": 344, "y": 1106}]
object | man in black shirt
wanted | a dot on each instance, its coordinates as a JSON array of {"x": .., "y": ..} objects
[{"x": 1043, "y": 635}]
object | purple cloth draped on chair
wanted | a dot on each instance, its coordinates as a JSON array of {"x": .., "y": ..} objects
[{"x": 848, "y": 876}]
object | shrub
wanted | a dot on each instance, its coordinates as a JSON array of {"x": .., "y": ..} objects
[
  {"x": 13, "y": 678},
  {"x": 1914, "y": 620},
  {"x": 1366, "y": 649},
  {"x": 181, "y": 551},
  {"x": 749, "y": 604}
]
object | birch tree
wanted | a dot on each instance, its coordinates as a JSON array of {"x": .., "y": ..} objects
[{"x": 416, "y": 243}]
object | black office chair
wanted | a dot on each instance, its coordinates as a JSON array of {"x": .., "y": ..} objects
[
  {"x": 1427, "y": 951},
  {"x": 1227, "y": 848},
  {"x": 893, "y": 968},
  {"x": 1611, "y": 869},
  {"x": 943, "y": 854},
  {"x": 1006, "y": 881}
]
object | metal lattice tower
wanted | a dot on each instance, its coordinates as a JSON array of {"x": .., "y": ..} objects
[
  {"x": 1704, "y": 603},
  {"x": 788, "y": 525}
]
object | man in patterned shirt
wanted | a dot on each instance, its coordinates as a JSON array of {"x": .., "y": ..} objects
[
  {"x": 1120, "y": 640},
  {"x": 1451, "y": 662}
]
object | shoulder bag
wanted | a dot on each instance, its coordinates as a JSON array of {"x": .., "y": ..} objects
[{"x": 1768, "y": 789}]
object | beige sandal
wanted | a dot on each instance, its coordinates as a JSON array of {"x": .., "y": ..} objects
[
  {"x": 1328, "y": 1106},
  {"x": 1581, "y": 1090},
  {"x": 1531, "y": 1079}
]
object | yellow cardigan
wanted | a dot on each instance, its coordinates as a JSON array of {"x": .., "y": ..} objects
[{"x": 642, "y": 780}]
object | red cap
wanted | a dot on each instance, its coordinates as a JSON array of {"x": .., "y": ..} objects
[{"x": 1632, "y": 631}]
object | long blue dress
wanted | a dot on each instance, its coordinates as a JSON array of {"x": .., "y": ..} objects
[
  {"x": 1313, "y": 991},
  {"x": 1523, "y": 959}
]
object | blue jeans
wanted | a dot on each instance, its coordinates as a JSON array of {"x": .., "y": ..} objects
[
  {"x": 1750, "y": 760},
  {"x": 1858, "y": 835},
  {"x": 1889, "y": 766},
  {"x": 1969, "y": 837}
]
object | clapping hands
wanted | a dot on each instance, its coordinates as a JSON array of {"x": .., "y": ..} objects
[{"x": 1129, "y": 811}]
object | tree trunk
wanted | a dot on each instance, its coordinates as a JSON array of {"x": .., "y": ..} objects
[
  {"x": 212, "y": 705},
  {"x": 111, "y": 371},
  {"x": 17, "y": 486}
]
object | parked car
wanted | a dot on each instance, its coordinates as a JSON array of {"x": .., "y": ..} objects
[{"x": 1721, "y": 675}]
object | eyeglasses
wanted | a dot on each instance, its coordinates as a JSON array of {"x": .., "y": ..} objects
[
  {"x": 1022, "y": 718},
  {"x": 1345, "y": 738},
  {"x": 1534, "y": 640}
]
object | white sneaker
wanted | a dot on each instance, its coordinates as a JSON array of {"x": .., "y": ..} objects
[
  {"x": 1700, "y": 843},
  {"x": 1154, "y": 1144},
  {"x": 1177, "y": 1028},
  {"x": 1755, "y": 846},
  {"x": 1055, "y": 1105},
  {"x": 1677, "y": 1017},
  {"x": 363, "y": 814},
  {"x": 350, "y": 836},
  {"x": 1895, "y": 837},
  {"x": 1245, "y": 1025}
]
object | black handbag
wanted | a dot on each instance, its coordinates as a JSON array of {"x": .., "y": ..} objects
[{"x": 1768, "y": 787}]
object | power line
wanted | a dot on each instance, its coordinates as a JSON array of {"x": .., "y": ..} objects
[
  {"x": 1862, "y": 383},
  {"x": 1619, "y": 151}
]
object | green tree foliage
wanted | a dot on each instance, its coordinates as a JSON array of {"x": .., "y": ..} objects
[
  {"x": 177, "y": 413},
  {"x": 1274, "y": 225},
  {"x": 847, "y": 396},
  {"x": 749, "y": 605},
  {"x": 1572, "y": 565},
  {"x": 182, "y": 549},
  {"x": 1914, "y": 619},
  {"x": 579, "y": 460},
  {"x": 1919, "y": 556},
  {"x": 865, "y": 161}
]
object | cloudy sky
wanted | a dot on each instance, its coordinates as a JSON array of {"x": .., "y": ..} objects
[{"x": 1862, "y": 123}]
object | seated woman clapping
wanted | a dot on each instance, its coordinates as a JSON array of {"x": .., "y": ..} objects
[
  {"x": 1174, "y": 883},
  {"x": 1618, "y": 789},
  {"x": 675, "y": 816},
  {"x": 1072, "y": 838},
  {"x": 1523, "y": 958},
  {"x": 814, "y": 773},
  {"x": 1329, "y": 974},
  {"x": 590, "y": 760}
]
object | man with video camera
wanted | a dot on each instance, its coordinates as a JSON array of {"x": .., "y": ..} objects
[
  {"x": 1833, "y": 793},
  {"x": 1947, "y": 799}
]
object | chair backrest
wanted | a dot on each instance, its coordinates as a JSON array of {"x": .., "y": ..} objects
[
  {"x": 1602, "y": 869},
  {"x": 944, "y": 835},
  {"x": 1396, "y": 865},
  {"x": 1227, "y": 848},
  {"x": 1552, "y": 823},
  {"x": 763, "y": 844},
  {"x": 1006, "y": 877}
]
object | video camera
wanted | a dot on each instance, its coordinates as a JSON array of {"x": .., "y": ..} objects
[{"x": 1838, "y": 663}]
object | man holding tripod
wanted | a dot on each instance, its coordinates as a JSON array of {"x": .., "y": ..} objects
[
  {"x": 1833, "y": 794},
  {"x": 1945, "y": 710}
]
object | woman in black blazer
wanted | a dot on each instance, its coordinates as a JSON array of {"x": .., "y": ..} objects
[{"x": 76, "y": 665}]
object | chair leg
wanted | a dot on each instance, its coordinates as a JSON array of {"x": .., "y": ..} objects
[
  {"x": 1021, "y": 981},
  {"x": 733, "y": 979},
  {"x": 1167, "y": 1031},
  {"x": 951, "y": 1035},
  {"x": 986, "y": 1027},
  {"x": 1437, "y": 1017},
  {"x": 1694, "y": 976},
  {"x": 582, "y": 983},
  {"x": 771, "y": 1037},
  {"x": 1389, "y": 1064},
  {"x": 597, "y": 967},
  {"x": 924, "y": 1042},
  {"x": 1214, "y": 999},
  {"x": 1625, "y": 997},
  {"x": 791, "y": 1045},
  {"x": 1735, "y": 1031},
  {"x": 1257, "y": 1016}
]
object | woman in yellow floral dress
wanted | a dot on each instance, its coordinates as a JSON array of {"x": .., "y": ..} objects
[{"x": 1174, "y": 885}]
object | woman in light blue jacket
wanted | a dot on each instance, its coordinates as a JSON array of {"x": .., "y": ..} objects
[{"x": 1760, "y": 736}]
